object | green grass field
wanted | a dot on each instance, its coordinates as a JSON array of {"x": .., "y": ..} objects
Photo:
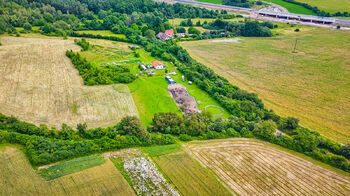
[
  {"x": 71, "y": 166},
  {"x": 312, "y": 84},
  {"x": 329, "y": 6},
  {"x": 211, "y": 1},
  {"x": 189, "y": 177},
  {"x": 293, "y": 8},
  {"x": 103, "y": 33}
]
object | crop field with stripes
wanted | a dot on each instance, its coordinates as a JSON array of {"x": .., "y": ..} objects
[
  {"x": 252, "y": 167},
  {"x": 39, "y": 84}
]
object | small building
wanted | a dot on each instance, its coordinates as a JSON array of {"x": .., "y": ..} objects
[
  {"x": 143, "y": 66},
  {"x": 158, "y": 65},
  {"x": 170, "y": 80}
]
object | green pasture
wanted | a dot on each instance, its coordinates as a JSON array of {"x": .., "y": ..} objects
[{"x": 71, "y": 166}]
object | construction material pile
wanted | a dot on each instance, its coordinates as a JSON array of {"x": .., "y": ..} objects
[{"x": 182, "y": 98}]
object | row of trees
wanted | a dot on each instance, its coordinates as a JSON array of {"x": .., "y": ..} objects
[{"x": 44, "y": 145}]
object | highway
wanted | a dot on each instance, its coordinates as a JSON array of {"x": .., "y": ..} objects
[{"x": 299, "y": 17}]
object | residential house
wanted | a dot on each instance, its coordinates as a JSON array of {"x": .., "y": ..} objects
[
  {"x": 168, "y": 34},
  {"x": 158, "y": 65}
]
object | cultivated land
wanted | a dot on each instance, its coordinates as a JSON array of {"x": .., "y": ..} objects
[
  {"x": 17, "y": 177},
  {"x": 312, "y": 84},
  {"x": 253, "y": 167},
  {"x": 189, "y": 177},
  {"x": 40, "y": 85}
]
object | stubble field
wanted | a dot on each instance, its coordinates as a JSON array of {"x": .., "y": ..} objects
[
  {"x": 252, "y": 167},
  {"x": 17, "y": 177},
  {"x": 312, "y": 84},
  {"x": 39, "y": 84}
]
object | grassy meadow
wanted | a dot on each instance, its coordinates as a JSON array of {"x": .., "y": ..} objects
[
  {"x": 293, "y": 8},
  {"x": 71, "y": 166},
  {"x": 312, "y": 83},
  {"x": 188, "y": 176},
  {"x": 103, "y": 33},
  {"x": 17, "y": 177},
  {"x": 329, "y": 6}
]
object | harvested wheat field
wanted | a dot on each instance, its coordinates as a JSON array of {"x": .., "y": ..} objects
[
  {"x": 39, "y": 84},
  {"x": 17, "y": 177},
  {"x": 252, "y": 167}
]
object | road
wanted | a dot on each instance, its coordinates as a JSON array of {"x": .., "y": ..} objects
[{"x": 300, "y": 19}]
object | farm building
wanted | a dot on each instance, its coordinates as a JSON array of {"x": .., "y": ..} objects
[
  {"x": 170, "y": 80},
  {"x": 158, "y": 65}
]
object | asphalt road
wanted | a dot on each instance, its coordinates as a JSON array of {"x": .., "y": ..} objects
[{"x": 254, "y": 11}]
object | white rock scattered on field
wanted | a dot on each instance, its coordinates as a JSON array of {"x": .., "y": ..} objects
[{"x": 145, "y": 177}]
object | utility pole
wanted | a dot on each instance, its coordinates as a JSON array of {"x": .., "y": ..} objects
[{"x": 295, "y": 46}]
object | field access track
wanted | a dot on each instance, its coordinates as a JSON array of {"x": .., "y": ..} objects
[{"x": 252, "y": 167}]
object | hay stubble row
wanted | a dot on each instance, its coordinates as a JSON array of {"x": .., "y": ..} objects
[
  {"x": 251, "y": 167},
  {"x": 40, "y": 85}
]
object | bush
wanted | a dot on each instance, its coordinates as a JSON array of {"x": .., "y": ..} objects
[
  {"x": 185, "y": 137},
  {"x": 296, "y": 30}
]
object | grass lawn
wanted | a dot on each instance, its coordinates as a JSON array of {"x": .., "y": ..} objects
[
  {"x": 329, "y": 6},
  {"x": 71, "y": 166},
  {"x": 312, "y": 84},
  {"x": 293, "y": 8},
  {"x": 211, "y": 1},
  {"x": 189, "y": 177},
  {"x": 155, "y": 151},
  {"x": 103, "y": 33}
]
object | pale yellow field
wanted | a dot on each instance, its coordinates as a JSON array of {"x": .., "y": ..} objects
[
  {"x": 17, "y": 177},
  {"x": 253, "y": 167},
  {"x": 312, "y": 84},
  {"x": 39, "y": 84}
]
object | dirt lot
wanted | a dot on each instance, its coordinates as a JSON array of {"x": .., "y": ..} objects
[
  {"x": 38, "y": 84},
  {"x": 252, "y": 167}
]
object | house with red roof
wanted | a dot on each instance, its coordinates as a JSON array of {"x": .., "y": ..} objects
[
  {"x": 158, "y": 65},
  {"x": 168, "y": 34}
]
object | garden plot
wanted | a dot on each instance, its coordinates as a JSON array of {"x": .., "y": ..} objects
[
  {"x": 143, "y": 174},
  {"x": 252, "y": 167},
  {"x": 39, "y": 84}
]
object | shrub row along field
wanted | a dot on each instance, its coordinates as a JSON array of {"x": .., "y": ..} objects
[
  {"x": 252, "y": 167},
  {"x": 189, "y": 177},
  {"x": 311, "y": 84},
  {"x": 40, "y": 85},
  {"x": 17, "y": 177}
]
